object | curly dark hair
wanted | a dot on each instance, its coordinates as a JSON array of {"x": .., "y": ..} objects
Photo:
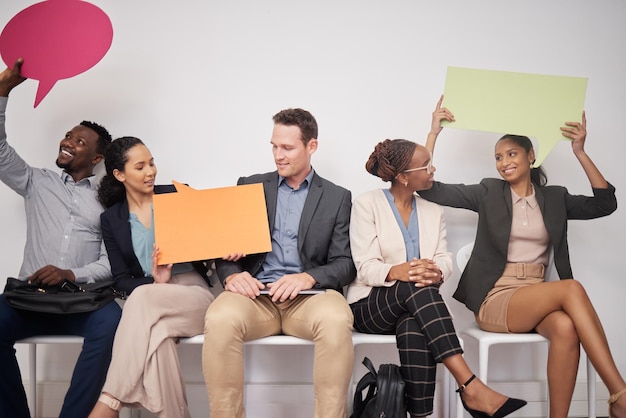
[
  {"x": 301, "y": 118},
  {"x": 111, "y": 191},
  {"x": 104, "y": 137},
  {"x": 537, "y": 174},
  {"x": 390, "y": 157}
]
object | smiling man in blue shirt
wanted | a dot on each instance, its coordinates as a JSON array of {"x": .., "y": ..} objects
[{"x": 309, "y": 219}]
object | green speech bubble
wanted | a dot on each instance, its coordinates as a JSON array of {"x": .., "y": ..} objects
[{"x": 506, "y": 102}]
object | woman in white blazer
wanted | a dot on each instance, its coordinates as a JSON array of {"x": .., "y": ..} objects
[{"x": 399, "y": 247}]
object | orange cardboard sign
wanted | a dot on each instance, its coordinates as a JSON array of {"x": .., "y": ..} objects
[{"x": 203, "y": 224}]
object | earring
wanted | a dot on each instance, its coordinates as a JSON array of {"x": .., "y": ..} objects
[{"x": 406, "y": 183}]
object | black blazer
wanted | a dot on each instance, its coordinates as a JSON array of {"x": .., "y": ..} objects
[
  {"x": 125, "y": 267},
  {"x": 323, "y": 235},
  {"x": 492, "y": 200}
]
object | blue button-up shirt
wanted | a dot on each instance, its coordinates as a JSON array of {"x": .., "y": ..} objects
[{"x": 284, "y": 257}]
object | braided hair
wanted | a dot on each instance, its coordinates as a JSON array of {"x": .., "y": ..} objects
[{"x": 390, "y": 158}]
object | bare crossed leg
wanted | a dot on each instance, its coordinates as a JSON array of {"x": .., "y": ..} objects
[{"x": 562, "y": 312}]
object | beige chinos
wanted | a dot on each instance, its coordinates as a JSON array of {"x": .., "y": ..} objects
[{"x": 324, "y": 318}]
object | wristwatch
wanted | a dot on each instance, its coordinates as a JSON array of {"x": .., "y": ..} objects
[{"x": 440, "y": 282}]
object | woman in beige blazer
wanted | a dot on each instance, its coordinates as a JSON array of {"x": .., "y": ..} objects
[{"x": 399, "y": 247}]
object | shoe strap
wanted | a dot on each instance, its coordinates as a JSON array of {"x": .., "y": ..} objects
[
  {"x": 613, "y": 398},
  {"x": 110, "y": 401},
  {"x": 464, "y": 385}
]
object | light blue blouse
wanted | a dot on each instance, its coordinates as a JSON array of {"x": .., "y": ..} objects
[
  {"x": 411, "y": 234},
  {"x": 143, "y": 244}
]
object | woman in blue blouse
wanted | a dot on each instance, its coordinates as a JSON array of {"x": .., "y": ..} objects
[{"x": 165, "y": 302}]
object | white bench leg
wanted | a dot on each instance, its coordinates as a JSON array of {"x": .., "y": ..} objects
[
  {"x": 456, "y": 397},
  {"x": 591, "y": 390},
  {"x": 32, "y": 373},
  {"x": 483, "y": 362},
  {"x": 446, "y": 392}
]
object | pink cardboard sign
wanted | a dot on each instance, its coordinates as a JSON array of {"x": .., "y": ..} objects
[{"x": 57, "y": 39}]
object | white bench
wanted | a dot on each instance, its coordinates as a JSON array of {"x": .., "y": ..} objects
[{"x": 277, "y": 340}]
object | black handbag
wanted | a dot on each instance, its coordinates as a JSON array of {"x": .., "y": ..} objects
[
  {"x": 385, "y": 393},
  {"x": 64, "y": 298}
]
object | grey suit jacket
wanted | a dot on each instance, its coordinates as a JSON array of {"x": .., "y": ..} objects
[
  {"x": 323, "y": 235},
  {"x": 492, "y": 200}
]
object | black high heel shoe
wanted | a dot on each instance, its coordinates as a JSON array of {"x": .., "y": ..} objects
[{"x": 511, "y": 404}]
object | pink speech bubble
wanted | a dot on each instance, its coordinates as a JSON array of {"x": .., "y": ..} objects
[{"x": 57, "y": 39}]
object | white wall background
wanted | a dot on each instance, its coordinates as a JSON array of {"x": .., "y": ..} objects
[{"x": 198, "y": 81}]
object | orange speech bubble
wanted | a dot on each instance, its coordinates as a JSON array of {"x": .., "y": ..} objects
[
  {"x": 57, "y": 39},
  {"x": 204, "y": 224}
]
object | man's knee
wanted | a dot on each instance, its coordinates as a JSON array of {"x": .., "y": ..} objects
[
  {"x": 8, "y": 317},
  {"x": 223, "y": 316},
  {"x": 340, "y": 320},
  {"x": 336, "y": 317},
  {"x": 336, "y": 307},
  {"x": 103, "y": 322}
]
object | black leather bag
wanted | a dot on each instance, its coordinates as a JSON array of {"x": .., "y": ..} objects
[
  {"x": 64, "y": 298},
  {"x": 385, "y": 393}
]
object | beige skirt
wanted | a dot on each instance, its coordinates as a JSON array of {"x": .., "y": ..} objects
[{"x": 493, "y": 311}]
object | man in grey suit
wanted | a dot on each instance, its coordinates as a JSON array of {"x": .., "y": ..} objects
[{"x": 271, "y": 293}]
